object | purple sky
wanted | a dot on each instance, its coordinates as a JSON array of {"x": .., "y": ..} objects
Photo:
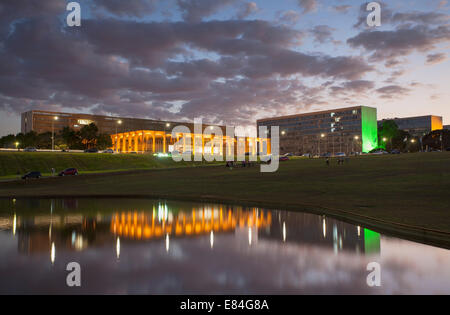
[{"x": 227, "y": 61}]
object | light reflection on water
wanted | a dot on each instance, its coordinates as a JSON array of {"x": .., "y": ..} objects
[{"x": 146, "y": 246}]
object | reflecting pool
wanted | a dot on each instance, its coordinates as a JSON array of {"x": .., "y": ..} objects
[{"x": 128, "y": 246}]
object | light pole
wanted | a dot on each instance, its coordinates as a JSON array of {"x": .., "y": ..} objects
[
  {"x": 119, "y": 122},
  {"x": 53, "y": 132},
  {"x": 321, "y": 136},
  {"x": 167, "y": 125},
  {"x": 17, "y": 145},
  {"x": 353, "y": 144}
]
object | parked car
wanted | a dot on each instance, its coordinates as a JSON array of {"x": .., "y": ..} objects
[
  {"x": 307, "y": 155},
  {"x": 379, "y": 152},
  {"x": 340, "y": 154},
  {"x": 93, "y": 150},
  {"x": 69, "y": 172},
  {"x": 30, "y": 149},
  {"x": 288, "y": 154},
  {"x": 109, "y": 151},
  {"x": 395, "y": 151},
  {"x": 284, "y": 158},
  {"x": 32, "y": 175}
]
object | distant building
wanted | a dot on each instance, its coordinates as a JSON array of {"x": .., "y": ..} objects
[
  {"x": 447, "y": 127},
  {"x": 345, "y": 130},
  {"x": 417, "y": 126},
  {"x": 44, "y": 121}
]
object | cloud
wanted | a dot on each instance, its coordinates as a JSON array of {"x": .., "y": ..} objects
[
  {"x": 196, "y": 10},
  {"x": 290, "y": 17},
  {"x": 385, "y": 45},
  {"x": 138, "y": 8},
  {"x": 247, "y": 9},
  {"x": 436, "y": 58},
  {"x": 342, "y": 8},
  {"x": 308, "y": 5},
  {"x": 392, "y": 91},
  {"x": 322, "y": 33},
  {"x": 160, "y": 69}
]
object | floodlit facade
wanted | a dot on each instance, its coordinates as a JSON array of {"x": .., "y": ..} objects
[
  {"x": 343, "y": 130},
  {"x": 417, "y": 126},
  {"x": 152, "y": 141}
]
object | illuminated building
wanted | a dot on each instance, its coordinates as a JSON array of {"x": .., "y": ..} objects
[
  {"x": 345, "y": 130},
  {"x": 151, "y": 141},
  {"x": 417, "y": 126}
]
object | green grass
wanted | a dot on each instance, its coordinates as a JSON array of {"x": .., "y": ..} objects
[
  {"x": 410, "y": 189},
  {"x": 12, "y": 163}
]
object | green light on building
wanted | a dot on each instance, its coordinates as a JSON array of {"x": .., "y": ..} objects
[
  {"x": 371, "y": 242},
  {"x": 369, "y": 129}
]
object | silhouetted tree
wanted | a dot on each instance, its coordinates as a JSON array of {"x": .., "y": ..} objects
[{"x": 104, "y": 141}]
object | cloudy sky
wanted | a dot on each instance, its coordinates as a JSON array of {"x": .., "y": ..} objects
[{"x": 226, "y": 61}]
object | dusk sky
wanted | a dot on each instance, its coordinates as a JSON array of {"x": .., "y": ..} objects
[{"x": 226, "y": 61}]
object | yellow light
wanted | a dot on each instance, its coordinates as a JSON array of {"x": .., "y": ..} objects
[
  {"x": 283, "y": 133},
  {"x": 322, "y": 135},
  {"x": 167, "y": 125},
  {"x": 118, "y": 248},
  {"x": 56, "y": 118},
  {"x": 52, "y": 253},
  {"x": 356, "y": 138},
  {"x": 119, "y": 122},
  {"x": 413, "y": 141},
  {"x": 384, "y": 139},
  {"x": 17, "y": 144}
]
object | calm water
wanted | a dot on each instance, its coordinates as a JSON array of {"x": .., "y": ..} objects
[{"x": 164, "y": 247}]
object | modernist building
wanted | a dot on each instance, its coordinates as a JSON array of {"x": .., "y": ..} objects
[
  {"x": 154, "y": 141},
  {"x": 144, "y": 135},
  {"x": 333, "y": 131},
  {"x": 44, "y": 121},
  {"x": 417, "y": 126}
]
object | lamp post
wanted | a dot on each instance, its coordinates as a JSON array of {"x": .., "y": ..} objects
[
  {"x": 321, "y": 136},
  {"x": 119, "y": 122},
  {"x": 167, "y": 125},
  {"x": 53, "y": 132},
  {"x": 356, "y": 138},
  {"x": 17, "y": 145}
]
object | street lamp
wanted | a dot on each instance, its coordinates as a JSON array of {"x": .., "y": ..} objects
[
  {"x": 17, "y": 145},
  {"x": 353, "y": 143},
  {"x": 119, "y": 122},
  {"x": 53, "y": 132},
  {"x": 321, "y": 136}
]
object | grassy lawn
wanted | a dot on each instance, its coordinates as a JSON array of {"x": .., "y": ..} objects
[
  {"x": 409, "y": 189},
  {"x": 12, "y": 163}
]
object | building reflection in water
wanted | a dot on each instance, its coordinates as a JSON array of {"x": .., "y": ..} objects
[
  {"x": 304, "y": 228},
  {"x": 77, "y": 232}
]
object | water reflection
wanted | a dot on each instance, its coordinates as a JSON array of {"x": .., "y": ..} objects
[
  {"x": 78, "y": 232},
  {"x": 167, "y": 243}
]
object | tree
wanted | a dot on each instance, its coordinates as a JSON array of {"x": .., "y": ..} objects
[
  {"x": 88, "y": 135},
  {"x": 71, "y": 138},
  {"x": 8, "y": 141},
  {"x": 392, "y": 138},
  {"x": 104, "y": 141},
  {"x": 438, "y": 139},
  {"x": 44, "y": 140}
]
